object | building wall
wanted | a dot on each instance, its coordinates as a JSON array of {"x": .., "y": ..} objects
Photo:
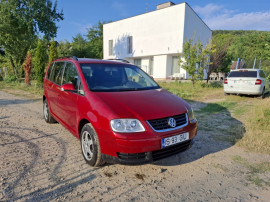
[
  {"x": 160, "y": 62},
  {"x": 195, "y": 27},
  {"x": 159, "y": 34},
  {"x": 154, "y": 33}
]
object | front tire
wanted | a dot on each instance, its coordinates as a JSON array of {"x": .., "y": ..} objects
[
  {"x": 46, "y": 113},
  {"x": 90, "y": 146}
]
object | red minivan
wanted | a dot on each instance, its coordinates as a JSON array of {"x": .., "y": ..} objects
[{"x": 119, "y": 113}]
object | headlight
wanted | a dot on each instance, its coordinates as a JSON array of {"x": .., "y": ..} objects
[
  {"x": 126, "y": 125},
  {"x": 191, "y": 114}
]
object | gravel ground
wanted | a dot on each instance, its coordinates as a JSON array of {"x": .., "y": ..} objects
[{"x": 42, "y": 162}]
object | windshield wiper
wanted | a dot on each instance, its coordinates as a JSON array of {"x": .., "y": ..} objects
[{"x": 128, "y": 89}]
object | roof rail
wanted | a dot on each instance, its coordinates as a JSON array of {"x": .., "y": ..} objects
[
  {"x": 69, "y": 56},
  {"x": 120, "y": 60}
]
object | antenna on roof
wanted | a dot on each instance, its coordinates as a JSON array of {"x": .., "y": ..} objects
[{"x": 146, "y": 7}]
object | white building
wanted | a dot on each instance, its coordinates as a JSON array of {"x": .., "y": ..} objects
[{"x": 154, "y": 40}]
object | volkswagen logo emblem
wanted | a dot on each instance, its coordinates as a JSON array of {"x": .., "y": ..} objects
[{"x": 171, "y": 122}]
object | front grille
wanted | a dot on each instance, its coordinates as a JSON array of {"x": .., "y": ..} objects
[
  {"x": 169, "y": 151},
  {"x": 162, "y": 124}
]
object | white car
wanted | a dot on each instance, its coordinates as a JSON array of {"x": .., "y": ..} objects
[{"x": 247, "y": 81}]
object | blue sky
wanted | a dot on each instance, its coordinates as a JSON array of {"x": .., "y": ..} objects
[{"x": 80, "y": 15}]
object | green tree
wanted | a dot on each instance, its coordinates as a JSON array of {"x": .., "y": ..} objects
[
  {"x": 220, "y": 59},
  {"x": 21, "y": 22},
  {"x": 64, "y": 48},
  {"x": 80, "y": 47},
  {"x": 53, "y": 54},
  {"x": 40, "y": 60},
  {"x": 195, "y": 59},
  {"x": 95, "y": 38}
]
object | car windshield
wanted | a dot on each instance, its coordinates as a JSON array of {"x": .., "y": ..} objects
[
  {"x": 252, "y": 74},
  {"x": 116, "y": 77}
]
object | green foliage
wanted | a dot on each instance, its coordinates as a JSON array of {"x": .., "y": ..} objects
[
  {"x": 90, "y": 46},
  {"x": 196, "y": 58},
  {"x": 64, "y": 48},
  {"x": 53, "y": 54},
  {"x": 246, "y": 45},
  {"x": 214, "y": 84},
  {"x": 40, "y": 60},
  {"x": 10, "y": 78},
  {"x": 221, "y": 60},
  {"x": 80, "y": 47},
  {"x": 95, "y": 37},
  {"x": 20, "y": 22}
]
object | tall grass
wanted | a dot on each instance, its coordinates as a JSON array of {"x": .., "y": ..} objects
[
  {"x": 257, "y": 124},
  {"x": 19, "y": 88},
  {"x": 200, "y": 91}
]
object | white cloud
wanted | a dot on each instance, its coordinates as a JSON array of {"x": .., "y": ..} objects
[
  {"x": 208, "y": 10},
  {"x": 217, "y": 17},
  {"x": 81, "y": 28}
]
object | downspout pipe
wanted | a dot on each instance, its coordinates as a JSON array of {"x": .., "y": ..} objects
[{"x": 254, "y": 63}]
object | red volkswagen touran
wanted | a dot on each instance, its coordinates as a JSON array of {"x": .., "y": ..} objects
[{"x": 117, "y": 111}]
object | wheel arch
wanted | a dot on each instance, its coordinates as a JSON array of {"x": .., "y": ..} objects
[{"x": 81, "y": 124}]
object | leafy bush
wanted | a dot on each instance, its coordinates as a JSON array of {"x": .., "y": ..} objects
[
  {"x": 10, "y": 78},
  {"x": 215, "y": 84}
]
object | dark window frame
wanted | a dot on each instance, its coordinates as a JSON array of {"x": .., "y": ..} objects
[
  {"x": 130, "y": 44},
  {"x": 110, "y": 47}
]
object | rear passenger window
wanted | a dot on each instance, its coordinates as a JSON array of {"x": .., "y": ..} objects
[
  {"x": 57, "y": 73},
  {"x": 50, "y": 70}
]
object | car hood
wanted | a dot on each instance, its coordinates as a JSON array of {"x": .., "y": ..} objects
[{"x": 144, "y": 105}]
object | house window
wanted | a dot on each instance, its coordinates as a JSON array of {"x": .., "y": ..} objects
[
  {"x": 138, "y": 62},
  {"x": 175, "y": 65},
  {"x": 151, "y": 66},
  {"x": 130, "y": 44},
  {"x": 110, "y": 47}
]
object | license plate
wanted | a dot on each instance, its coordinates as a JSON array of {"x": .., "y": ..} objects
[{"x": 168, "y": 141}]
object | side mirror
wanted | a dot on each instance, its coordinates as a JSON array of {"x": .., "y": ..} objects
[{"x": 68, "y": 87}]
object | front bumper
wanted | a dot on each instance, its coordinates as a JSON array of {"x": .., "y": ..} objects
[
  {"x": 148, "y": 157},
  {"x": 135, "y": 149}
]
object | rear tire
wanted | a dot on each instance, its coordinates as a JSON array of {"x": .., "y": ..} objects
[
  {"x": 263, "y": 94},
  {"x": 46, "y": 113},
  {"x": 90, "y": 146}
]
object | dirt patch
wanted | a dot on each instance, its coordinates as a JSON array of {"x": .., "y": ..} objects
[{"x": 41, "y": 162}]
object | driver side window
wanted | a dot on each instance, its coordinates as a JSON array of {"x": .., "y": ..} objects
[{"x": 71, "y": 76}]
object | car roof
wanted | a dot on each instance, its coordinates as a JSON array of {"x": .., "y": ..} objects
[
  {"x": 239, "y": 70},
  {"x": 91, "y": 60}
]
